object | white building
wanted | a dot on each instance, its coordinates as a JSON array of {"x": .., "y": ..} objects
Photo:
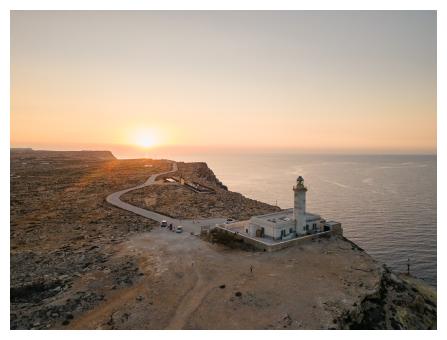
[{"x": 289, "y": 223}]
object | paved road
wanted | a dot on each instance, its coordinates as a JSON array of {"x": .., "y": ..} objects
[{"x": 188, "y": 225}]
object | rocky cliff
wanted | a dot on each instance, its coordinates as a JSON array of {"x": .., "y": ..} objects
[
  {"x": 180, "y": 202},
  {"x": 198, "y": 172},
  {"x": 45, "y": 155},
  {"x": 399, "y": 302},
  {"x": 80, "y": 263}
]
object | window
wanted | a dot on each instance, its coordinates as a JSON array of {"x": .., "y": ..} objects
[
  {"x": 314, "y": 226},
  {"x": 290, "y": 230},
  {"x": 307, "y": 227}
]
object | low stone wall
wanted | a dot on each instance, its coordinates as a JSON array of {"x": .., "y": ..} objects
[
  {"x": 337, "y": 230},
  {"x": 299, "y": 240},
  {"x": 263, "y": 246}
]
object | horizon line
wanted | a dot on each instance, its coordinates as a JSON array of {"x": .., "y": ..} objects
[{"x": 239, "y": 150}]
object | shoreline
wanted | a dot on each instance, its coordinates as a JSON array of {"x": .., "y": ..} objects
[{"x": 78, "y": 262}]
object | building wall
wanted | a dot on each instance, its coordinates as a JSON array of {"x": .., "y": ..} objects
[
  {"x": 280, "y": 245},
  {"x": 319, "y": 226},
  {"x": 255, "y": 225},
  {"x": 271, "y": 230}
]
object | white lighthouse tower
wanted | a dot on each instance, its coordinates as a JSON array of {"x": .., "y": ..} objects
[{"x": 299, "y": 207}]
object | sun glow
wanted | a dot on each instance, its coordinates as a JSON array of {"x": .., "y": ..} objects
[{"x": 146, "y": 139}]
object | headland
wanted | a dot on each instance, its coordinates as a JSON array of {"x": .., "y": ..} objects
[{"x": 79, "y": 262}]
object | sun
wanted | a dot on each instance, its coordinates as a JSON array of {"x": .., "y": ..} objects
[{"x": 146, "y": 139}]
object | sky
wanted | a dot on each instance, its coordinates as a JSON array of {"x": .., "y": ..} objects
[{"x": 307, "y": 81}]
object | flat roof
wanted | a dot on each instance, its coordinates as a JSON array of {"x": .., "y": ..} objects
[
  {"x": 285, "y": 215},
  {"x": 332, "y": 222}
]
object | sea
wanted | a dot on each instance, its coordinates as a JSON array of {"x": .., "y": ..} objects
[{"x": 385, "y": 203}]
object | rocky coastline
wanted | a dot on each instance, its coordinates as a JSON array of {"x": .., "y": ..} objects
[
  {"x": 80, "y": 263},
  {"x": 399, "y": 302}
]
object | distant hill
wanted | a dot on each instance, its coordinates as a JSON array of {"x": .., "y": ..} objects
[{"x": 46, "y": 154}]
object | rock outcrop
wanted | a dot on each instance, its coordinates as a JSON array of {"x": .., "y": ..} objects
[
  {"x": 198, "y": 172},
  {"x": 178, "y": 201},
  {"x": 400, "y": 302}
]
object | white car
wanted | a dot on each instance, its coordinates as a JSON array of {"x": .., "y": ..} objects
[
  {"x": 179, "y": 229},
  {"x": 164, "y": 224}
]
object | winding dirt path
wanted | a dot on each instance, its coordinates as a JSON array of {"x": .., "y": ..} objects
[{"x": 193, "y": 226}]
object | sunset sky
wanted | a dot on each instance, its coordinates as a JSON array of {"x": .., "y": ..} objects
[{"x": 307, "y": 81}]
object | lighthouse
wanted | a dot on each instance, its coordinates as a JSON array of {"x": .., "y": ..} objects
[
  {"x": 299, "y": 207},
  {"x": 288, "y": 224}
]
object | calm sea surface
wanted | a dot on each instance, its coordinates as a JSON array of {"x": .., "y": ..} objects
[{"x": 386, "y": 204}]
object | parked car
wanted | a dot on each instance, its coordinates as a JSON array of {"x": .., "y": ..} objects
[
  {"x": 164, "y": 224},
  {"x": 229, "y": 220},
  {"x": 179, "y": 229}
]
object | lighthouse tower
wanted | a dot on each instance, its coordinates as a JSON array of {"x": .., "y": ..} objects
[{"x": 299, "y": 207}]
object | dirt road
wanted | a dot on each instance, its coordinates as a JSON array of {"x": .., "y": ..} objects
[{"x": 188, "y": 225}]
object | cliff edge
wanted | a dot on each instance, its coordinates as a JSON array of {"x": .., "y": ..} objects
[
  {"x": 79, "y": 263},
  {"x": 29, "y": 153}
]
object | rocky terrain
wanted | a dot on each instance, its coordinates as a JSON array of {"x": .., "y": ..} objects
[
  {"x": 62, "y": 232},
  {"x": 80, "y": 263},
  {"x": 399, "y": 302},
  {"x": 189, "y": 204}
]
